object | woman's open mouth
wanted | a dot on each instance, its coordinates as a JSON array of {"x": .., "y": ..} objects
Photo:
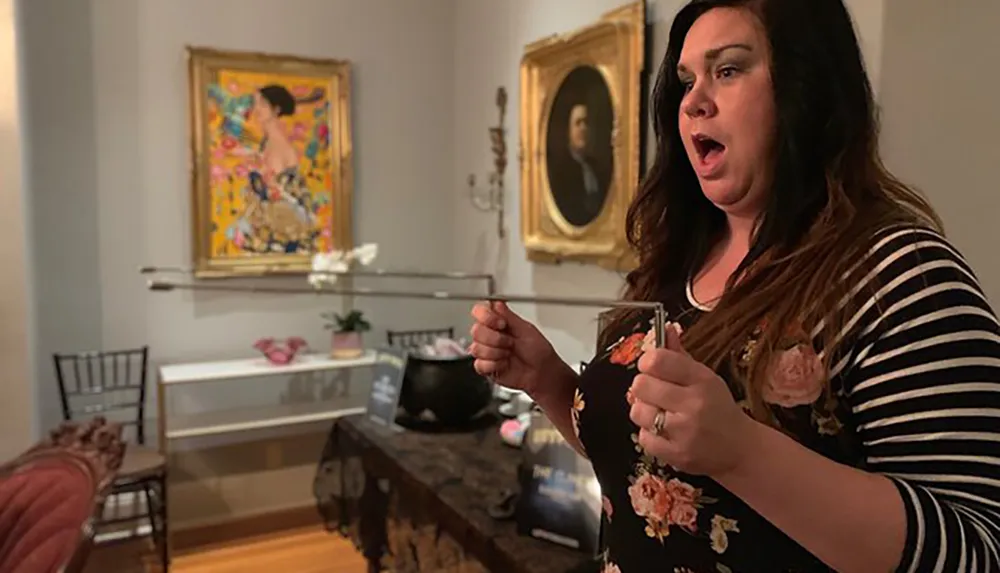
[
  {"x": 710, "y": 153},
  {"x": 708, "y": 149}
]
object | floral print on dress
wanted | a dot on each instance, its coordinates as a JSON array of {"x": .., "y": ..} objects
[
  {"x": 826, "y": 422},
  {"x": 684, "y": 520},
  {"x": 578, "y": 405},
  {"x": 745, "y": 354},
  {"x": 628, "y": 350},
  {"x": 665, "y": 502},
  {"x": 609, "y": 510},
  {"x": 721, "y": 527},
  {"x": 794, "y": 378},
  {"x": 636, "y": 445}
]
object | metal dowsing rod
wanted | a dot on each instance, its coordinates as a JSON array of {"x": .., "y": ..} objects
[
  {"x": 659, "y": 318},
  {"x": 388, "y": 273}
]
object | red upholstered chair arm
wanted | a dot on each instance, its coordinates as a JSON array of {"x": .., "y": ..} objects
[{"x": 51, "y": 494}]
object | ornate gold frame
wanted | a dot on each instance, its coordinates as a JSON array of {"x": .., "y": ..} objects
[
  {"x": 202, "y": 63},
  {"x": 615, "y": 46}
]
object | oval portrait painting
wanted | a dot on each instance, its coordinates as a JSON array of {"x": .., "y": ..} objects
[{"x": 579, "y": 154}]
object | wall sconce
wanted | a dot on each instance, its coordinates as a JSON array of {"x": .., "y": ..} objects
[{"x": 492, "y": 197}]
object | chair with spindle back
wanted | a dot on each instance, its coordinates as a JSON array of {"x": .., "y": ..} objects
[{"x": 112, "y": 384}]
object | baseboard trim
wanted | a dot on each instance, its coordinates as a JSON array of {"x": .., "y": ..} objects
[{"x": 244, "y": 527}]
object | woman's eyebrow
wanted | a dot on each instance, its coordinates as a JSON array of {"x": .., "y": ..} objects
[{"x": 713, "y": 54}]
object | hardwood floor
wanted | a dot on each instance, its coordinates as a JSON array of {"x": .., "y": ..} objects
[{"x": 311, "y": 550}]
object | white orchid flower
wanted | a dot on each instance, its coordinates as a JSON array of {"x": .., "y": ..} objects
[
  {"x": 337, "y": 267},
  {"x": 326, "y": 266},
  {"x": 319, "y": 261},
  {"x": 333, "y": 262},
  {"x": 365, "y": 254},
  {"x": 322, "y": 261},
  {"x": 319, "y": 280}
]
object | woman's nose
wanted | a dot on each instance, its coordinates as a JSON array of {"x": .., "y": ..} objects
[{"x": 697, "y": 103}]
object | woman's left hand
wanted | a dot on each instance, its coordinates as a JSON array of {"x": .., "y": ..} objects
[{"x": 704, "y": 431}]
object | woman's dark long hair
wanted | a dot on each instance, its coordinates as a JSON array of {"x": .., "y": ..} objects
[{"x": 830, "y": 192}]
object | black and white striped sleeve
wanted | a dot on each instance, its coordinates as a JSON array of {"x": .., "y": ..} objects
[{"x": 924, "y": 389}]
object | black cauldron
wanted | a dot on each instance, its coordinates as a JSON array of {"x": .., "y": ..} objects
[{"x": 448, "y": 387}]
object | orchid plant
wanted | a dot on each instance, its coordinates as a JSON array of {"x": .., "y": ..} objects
[
  {"x": 353, "y": 321},
  {"x": 327, "y": 268}
]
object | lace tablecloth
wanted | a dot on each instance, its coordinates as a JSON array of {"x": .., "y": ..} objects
[{"x": 417, "y": 501}]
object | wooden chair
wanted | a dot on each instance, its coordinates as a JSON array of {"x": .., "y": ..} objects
[{"x": 113, "y": 384}]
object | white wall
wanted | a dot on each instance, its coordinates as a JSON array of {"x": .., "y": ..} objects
[
  {"x": 17, "y": 419},
  {"x": 61, "y": 174},
  {"x": 109, "y": 163},
  {"x": 490, "y": 38},
  {"x": 402, "y": 76},
  {"x": 941, "y": 117}
]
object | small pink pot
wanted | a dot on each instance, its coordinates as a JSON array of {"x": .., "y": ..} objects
[{"x": 347, "y": 345}]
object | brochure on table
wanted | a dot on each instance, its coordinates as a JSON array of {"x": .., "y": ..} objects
[
  {"x": 387, "y": 385},
  {"x": 560, "y": 497}
]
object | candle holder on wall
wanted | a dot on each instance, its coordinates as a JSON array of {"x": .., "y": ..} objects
[{"x": 491, "y": 198}]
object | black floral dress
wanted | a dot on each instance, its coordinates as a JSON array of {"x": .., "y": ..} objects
[{"x": 903, "y": 386}]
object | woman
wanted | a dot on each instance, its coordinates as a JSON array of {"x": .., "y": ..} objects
[
  {"x": 278, "y": 175},
  {"x": 829, "y": 393},
  {"x": 279, "y": 189},
  {"x": 278, "y": 213}
]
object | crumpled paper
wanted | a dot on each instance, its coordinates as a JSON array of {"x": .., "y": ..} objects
[{"x": 443, "y": 347}]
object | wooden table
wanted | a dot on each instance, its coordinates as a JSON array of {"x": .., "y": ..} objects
[{"x": 416, "y": 501}]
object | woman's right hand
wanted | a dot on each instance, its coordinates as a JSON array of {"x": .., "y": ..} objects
[{"x": 509, "y": 349}]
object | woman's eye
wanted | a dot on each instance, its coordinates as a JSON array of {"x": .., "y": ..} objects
[{"x": 726, "y": 72}]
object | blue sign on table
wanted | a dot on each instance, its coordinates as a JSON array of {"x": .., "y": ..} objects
[
  {"x": 387, "y": 385},
  {"x": 560, "y": 497}
]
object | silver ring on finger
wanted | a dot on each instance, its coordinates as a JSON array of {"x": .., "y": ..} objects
[{"x": 659, "y": 422}]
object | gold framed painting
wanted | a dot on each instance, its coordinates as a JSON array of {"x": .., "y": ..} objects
[
  {"x": 271, "y": 152},
  {"x": 581, "y": 135}
]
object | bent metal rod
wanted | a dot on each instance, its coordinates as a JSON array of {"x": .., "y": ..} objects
[
  {"x": 659, "y": 319},
  {"x": 368, "y": 272}
]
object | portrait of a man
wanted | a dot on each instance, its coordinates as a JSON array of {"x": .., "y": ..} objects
[
  {"x": 581, "y": 140},
  {"x": 579, "y": 153}
]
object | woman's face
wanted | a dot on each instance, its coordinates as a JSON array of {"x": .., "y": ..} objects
[
  {"x": 727, "y": 116},
  {"x": 262, "y": 109}
]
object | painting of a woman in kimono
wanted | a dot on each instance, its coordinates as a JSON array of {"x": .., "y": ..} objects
[{"x": 273, "y": 168}]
